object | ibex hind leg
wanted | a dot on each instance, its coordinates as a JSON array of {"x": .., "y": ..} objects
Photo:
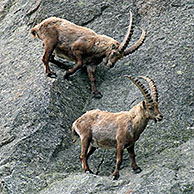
[
  {"x": 90, "y": 151},
  {"x": 49, "y": 46},
  {"x": 85, "y": 143}
]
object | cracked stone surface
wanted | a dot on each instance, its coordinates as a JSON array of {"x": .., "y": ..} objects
[{"x": 36, "y": 112}]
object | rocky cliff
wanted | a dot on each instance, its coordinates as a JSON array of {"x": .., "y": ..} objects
[{"x": 36, "y": 112}]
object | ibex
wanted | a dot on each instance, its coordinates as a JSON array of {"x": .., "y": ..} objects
[
  {"x": 82, "y": 45},
  {"x": 120, "y": 130}
]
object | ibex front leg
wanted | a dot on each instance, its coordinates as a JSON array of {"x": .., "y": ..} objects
[
  {"x": 91, "y": 69},
  {"x": 57, "y": 63},
  {"x": 134, "y": 166},
  {"x": 119, "y": 156}
]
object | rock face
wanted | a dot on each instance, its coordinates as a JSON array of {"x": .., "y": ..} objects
[{"x": 36, "y": 112}]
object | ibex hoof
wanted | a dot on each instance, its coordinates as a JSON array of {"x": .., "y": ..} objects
[
  {"x": 137, "y": 170},
  {"x": 116, "y": 177},
  {"x": 66, "y": 76},
  {"x": 89, "y": 172},
  {"x": 52, "y": 58},
  {"x": 52, "y": 75},
  {"x": 97, "y": 95}
]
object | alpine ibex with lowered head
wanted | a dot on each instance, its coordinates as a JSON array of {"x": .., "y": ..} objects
[
  {"x": 82, "y": 45},
  {"x": 120, "y": 130}
]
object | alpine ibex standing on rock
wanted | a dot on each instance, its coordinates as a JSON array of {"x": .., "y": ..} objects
[
  {"x": 82, "y": 45},
  {"x": 120, "y": 130}
]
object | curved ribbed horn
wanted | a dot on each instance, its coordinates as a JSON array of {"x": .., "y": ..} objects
[
  {"x": 137, "y": 44},
  {"x": 152, "y": 87},
  {"x": 141, "y": 87},
  {"x": 125, "y": 41}
]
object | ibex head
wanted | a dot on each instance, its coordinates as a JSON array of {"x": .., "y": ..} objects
[
  {"x": 118, "y": 51},
  {"x": 150, "y": 104}
]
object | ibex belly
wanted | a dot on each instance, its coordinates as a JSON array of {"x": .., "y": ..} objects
[
  {"x": 64, "y": 53},
  {"x": 104, "y": 136}
]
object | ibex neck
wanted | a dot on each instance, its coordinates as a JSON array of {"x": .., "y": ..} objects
[
  {"x": 139, "y": 119},
  {"x": 104, "y": 43}
]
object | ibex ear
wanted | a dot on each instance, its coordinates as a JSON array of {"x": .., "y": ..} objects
[{"x": 144, "y": 105}]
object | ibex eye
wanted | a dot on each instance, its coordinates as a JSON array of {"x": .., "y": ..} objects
[{"x": 113, "y": 46}]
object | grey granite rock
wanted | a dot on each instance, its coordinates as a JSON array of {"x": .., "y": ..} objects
[{"x": 36, "y": 112}]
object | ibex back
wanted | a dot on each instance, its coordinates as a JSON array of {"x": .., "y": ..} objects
[
  {"x": 81, "y": 45},
  {"x": 120, "y": 130}
]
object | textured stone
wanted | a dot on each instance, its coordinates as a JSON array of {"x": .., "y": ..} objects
[{"x": 36, "y": 112}]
